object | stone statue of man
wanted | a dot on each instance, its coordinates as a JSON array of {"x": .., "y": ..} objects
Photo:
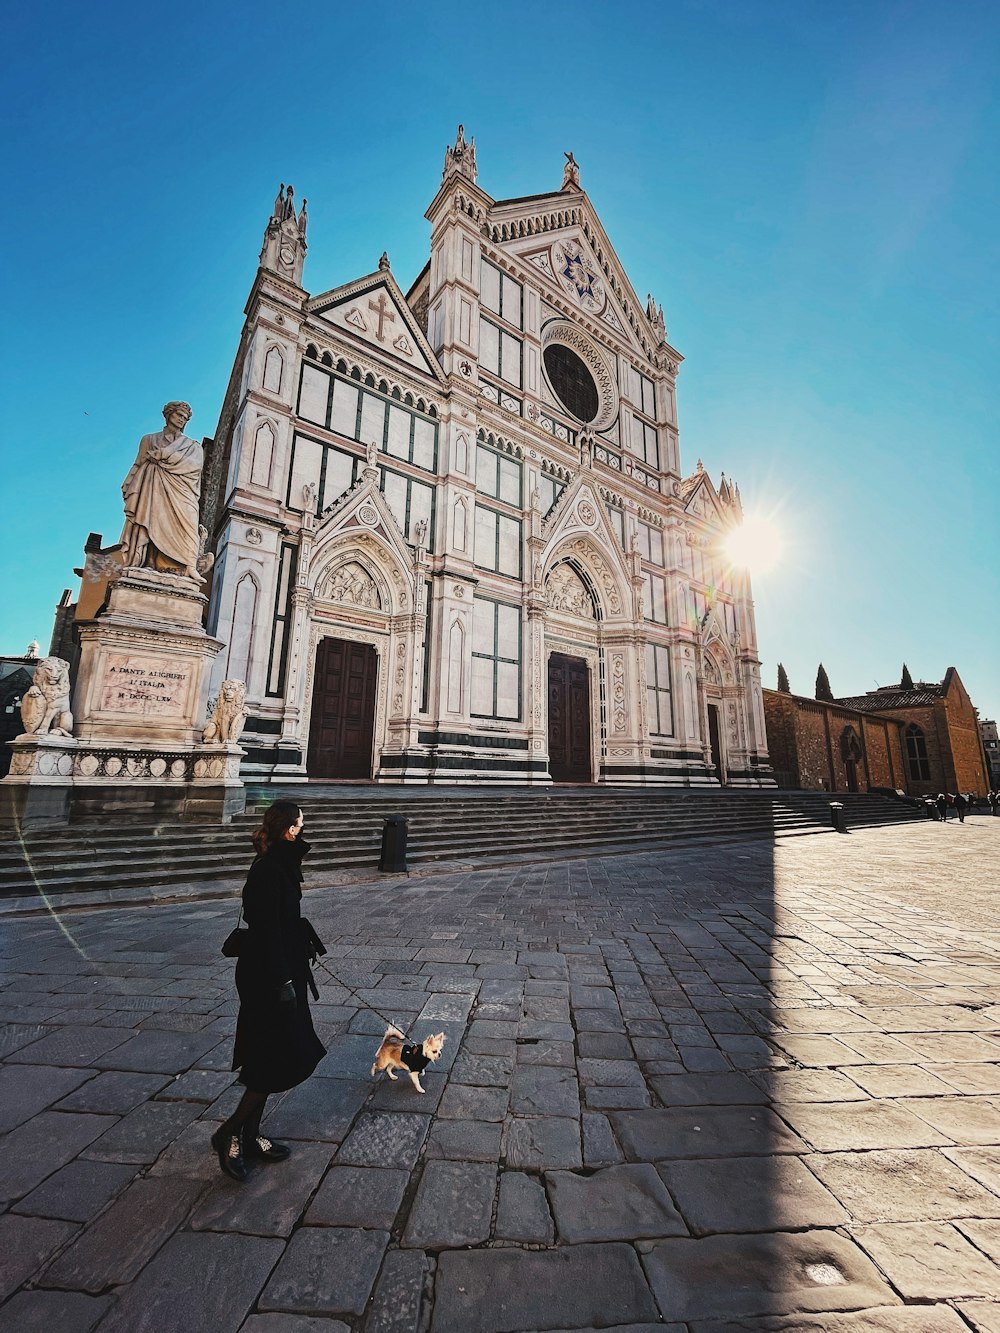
[{"x": 161, "y": 495}]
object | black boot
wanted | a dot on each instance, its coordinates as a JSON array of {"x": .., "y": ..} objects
[
  {"x": 230, "y": 1150},
  {"x": 261, "y": 1149}
]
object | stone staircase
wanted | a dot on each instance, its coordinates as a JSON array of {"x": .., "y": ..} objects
[{"x": 465, "y": 826}]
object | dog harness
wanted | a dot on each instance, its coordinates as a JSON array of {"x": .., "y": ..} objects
[{"x": 414, "y": 1059}]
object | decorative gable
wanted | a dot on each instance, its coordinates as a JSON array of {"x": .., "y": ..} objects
[
  {"x": 703, "y": 502},
  {"x": 373, "y": 310},
  {"x": 563, "y": 239}
]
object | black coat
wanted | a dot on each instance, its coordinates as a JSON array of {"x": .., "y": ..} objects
[{"x": 276, "y": 1045}]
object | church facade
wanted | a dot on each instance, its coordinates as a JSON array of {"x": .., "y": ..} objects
[{"x": 453, "y": 538}]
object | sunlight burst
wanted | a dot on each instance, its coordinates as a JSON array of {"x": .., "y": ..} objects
[{"x": 755, "y": 545}]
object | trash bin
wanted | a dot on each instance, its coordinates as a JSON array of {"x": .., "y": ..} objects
[
  {"x": 837, "y": 816},
  {"x": 394, "y": 844}
]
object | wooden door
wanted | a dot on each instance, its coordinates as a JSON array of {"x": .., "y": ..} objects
[
  {"x": 569, "y": 719},
  {"x": 342, "y": 727},
  {"x": 715, "y": 742}
]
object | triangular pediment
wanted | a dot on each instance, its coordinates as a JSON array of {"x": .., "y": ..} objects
[
  {"x": 373, "y": 310},
  {"x": 363, "y": 512},
  {"x": 578, "y": 527},
  {"x": 703, "y": 501},
  {"x": 561, "y": 237}
]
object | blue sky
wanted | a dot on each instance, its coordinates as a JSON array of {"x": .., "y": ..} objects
[{"x": 810, "y": 189}]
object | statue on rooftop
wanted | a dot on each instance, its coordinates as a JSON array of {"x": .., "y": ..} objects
[{"x": 462, "y": 157}]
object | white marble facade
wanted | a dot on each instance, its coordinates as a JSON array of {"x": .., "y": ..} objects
[{"x": 454, "y": 540}]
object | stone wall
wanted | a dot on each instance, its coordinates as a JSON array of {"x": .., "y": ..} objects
[{"x": 804, "y": 738}]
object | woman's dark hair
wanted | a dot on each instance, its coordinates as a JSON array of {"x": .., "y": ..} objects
[{"x": 277, "y": 820}]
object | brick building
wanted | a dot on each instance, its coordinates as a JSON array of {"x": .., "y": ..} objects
[
  {"x": 943, "y": 748},
  {"x": 827, "y": 747},
  {"x": 922, "y": 740}
]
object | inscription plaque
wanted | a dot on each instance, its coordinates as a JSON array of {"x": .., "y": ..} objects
[{"x": 144, "y": 685}]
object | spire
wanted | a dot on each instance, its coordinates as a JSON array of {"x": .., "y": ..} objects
[
  {"x": 284, "y": 246},
  {"x": 461, "y": 158},
  {"x": 700, "y": 467},
  {"x": 571, "y": 173},
  {"x": 383, "y": 263}
]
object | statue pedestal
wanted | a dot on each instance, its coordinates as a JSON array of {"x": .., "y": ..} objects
[
  {"x": 142, "y": 662},
  {"x": 138, "y": 704},
  {"x": 59, "y": 779}
]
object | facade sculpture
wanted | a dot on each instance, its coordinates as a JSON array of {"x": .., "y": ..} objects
[
  {"x": 229, "y": 715},
  {"x": 161, "y": 494},
  {"x": 45, "y": 708}
]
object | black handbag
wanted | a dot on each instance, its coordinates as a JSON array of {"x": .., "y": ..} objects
[{"x": 236, "y": 939}]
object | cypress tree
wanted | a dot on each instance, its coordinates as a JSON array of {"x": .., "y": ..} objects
[
  {"x": 823, "y": 690},
  {"x": 783, "y": 684},
  {"x": 906, "y": 682}
]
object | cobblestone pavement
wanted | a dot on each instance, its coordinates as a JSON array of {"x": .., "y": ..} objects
[{"x": 737, "y": 1088}]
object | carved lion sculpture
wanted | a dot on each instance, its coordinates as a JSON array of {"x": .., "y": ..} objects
[
  {"x": 45, "y": 707},
  {"x": 226, "y": 722}
]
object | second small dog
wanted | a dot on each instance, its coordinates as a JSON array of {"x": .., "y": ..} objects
[{"x": 396, "y": 1053}]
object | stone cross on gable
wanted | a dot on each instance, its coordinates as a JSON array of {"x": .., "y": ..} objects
[{"x": 384, "y": 313}]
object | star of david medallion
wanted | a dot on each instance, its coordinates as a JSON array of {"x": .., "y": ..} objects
[{"x": 578, "y": 278}]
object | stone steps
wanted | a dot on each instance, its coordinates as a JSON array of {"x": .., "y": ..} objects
[{"x": 345, "y": 828}]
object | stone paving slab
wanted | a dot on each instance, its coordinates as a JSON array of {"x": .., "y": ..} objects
[
  {"x": 358, "y": 1196},
  {"x": 78, "y": 1191},
  {"x": 928, "y": 1261},
  {"x": 326, "y": 1270},
  {"x": 27, "y": 1089},
  {"x": 25, "y": 1244},
  {"x": 801, "y": 1272},
  {"x": 703, "y": 1131},
  {"x": 523, "y": 1211},
  {"x": 901, "y": 1186},
  {"x": 292, "y": 1323},
  {"x": 123, "y": 1239},
  {"x": 517, "y": 1291},
  {"x": 201, "y": 1283},
  {"x": 616, "y": 1203},
  {"x": 745, "y": 1194},
  {"x": 41, "y": 1146},
  {"x": 839, "y": 1126},
  {"x": 52, "y": 1312},
  {"x": 984, "y": 1318},
  {"x": 398, "y": 1299},
  {"x": 898, "y": 1319},
  {"x": 453, "y": 1206}
]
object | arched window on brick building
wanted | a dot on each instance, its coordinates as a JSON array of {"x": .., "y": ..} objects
[{"x": 916, "y": 753}]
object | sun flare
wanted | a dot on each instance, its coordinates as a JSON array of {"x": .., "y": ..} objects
[{"x": 755, "y": 545}]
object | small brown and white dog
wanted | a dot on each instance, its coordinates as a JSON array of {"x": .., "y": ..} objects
[{"x": 396, "y": 1053}]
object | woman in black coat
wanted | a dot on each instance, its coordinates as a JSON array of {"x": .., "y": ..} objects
[{"x": 276, "y": 1046}]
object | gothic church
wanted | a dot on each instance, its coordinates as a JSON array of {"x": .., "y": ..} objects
[{"x": 454, "y": 541}]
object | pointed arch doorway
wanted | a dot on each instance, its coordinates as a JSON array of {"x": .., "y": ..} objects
[
  {"x": 569, "y": 719},
  {"x": 342, "y": 724}
]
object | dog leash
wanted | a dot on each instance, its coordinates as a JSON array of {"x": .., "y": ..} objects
[{"x": 364, "y": 1003}]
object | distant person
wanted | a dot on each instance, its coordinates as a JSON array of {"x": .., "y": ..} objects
[
  {"x": 994, "y": 800},
  {"x": 961, "y": 805},
  {"x": 276, "y": 1045},
  {"x": 942, "y": 806}
]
